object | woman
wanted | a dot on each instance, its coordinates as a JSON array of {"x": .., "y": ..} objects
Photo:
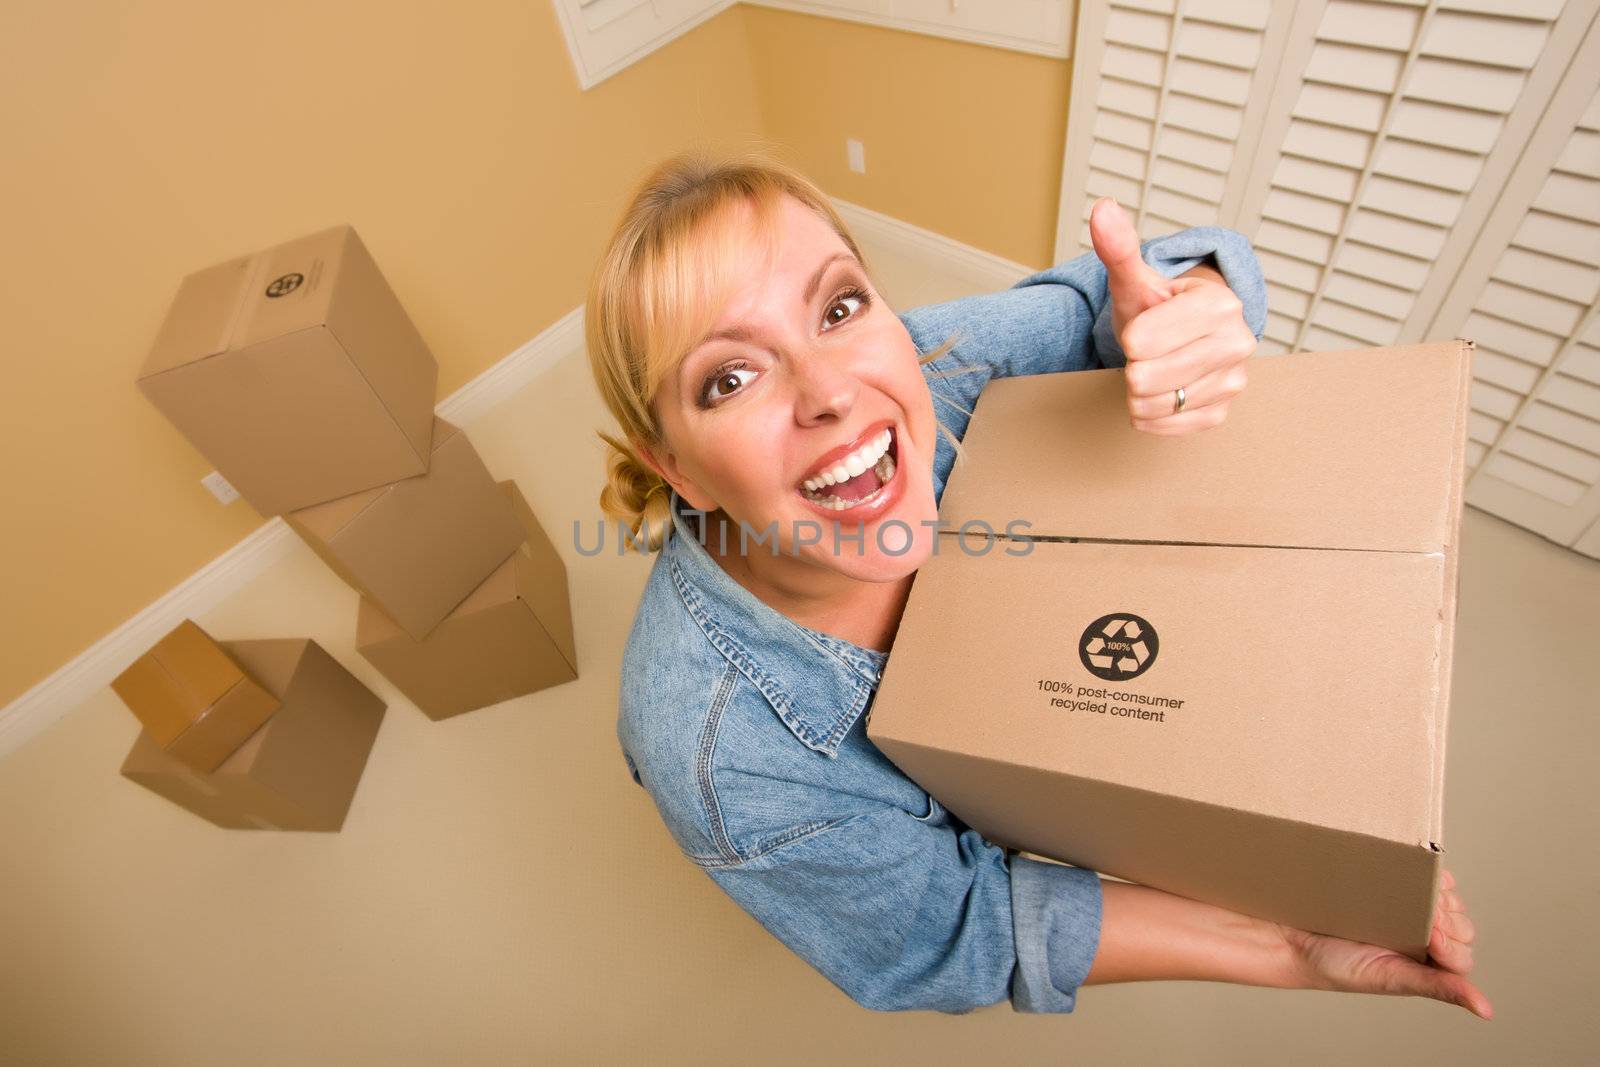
[{"x": 766, "y": 395}]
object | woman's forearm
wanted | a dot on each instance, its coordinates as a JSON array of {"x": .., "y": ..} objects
[{"x": 1148, "y": 934}]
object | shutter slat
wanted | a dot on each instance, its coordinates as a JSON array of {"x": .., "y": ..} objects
[
  {"x": 1512, "y": 375},
  {"x": 1582, "y": 362},
  {"x": 1458, "y": 84},
  {"x": 1290, "y": 302},
  {"x": 1123, "y": 130},
  {"x": 1304, "y": 211},
  {"x": 1446, "y": 126},
  {"x": 1332, "y": 144},
  {"x": 1492, "y": 399},
  {"x": 1416, "y": 239},
  {"x": 1419, "y": 202},
  {"x": 1317, "y": 179},
  {"x": 1560, "y": 277},
  {"x": 1535, "y": 479},
  {"x": 1363, "y": 293},
  {"x": 1202, "y": 116},
  {"x": 1129, "y": 98},
  {"x": 1576, "y": 396},
  {"x": 1337, "y": 106},
  {"x": 1512, "y": 338},
  {"x": 1294, "y": 241},
  {"x": 1582, "y": 154},
  {"x": 1382, "y": 265},
  {"x": 1135, "y": 64},
  {"x": 1537, "y": 310},
  {"x": 1356, "y": 68},
  {"x": 1245, "y": 14},
  {"x": 1213, "y": 153},
  {"x": 1184, "y": 210},
  {"x": 1491, "y": 41},
  {"x": 1577, "y": 241},
  {"x": 1570, "y": 196},
  {"x": 1138, "y": 28},
  {"x": 1190, "y": 181},
  {"x": 1219, "y": 44},
  {"x": 1289, "y": 271},
  {"x": 1563, "y": 425},
  {"x": 1225, "y": 85},
  {"x": 1429, "y": 165},
  {"x": 1373, "y": 25},
  {"x": 1371, "y": 328},
  {"x": 1481, "y": 427},
  {"x": 1574, "y": 463}
]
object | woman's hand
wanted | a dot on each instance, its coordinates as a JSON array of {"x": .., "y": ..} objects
[
  {"x": 1351, "y": 967},
  {"x": 1186, "y": 332}
]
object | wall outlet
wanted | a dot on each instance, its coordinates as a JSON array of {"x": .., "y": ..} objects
[
  {"x": 220, "y": 488},
  {"x": 857, "y": 155}
]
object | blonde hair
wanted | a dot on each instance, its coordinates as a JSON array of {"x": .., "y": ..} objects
[{"x": 663, "y": 280}]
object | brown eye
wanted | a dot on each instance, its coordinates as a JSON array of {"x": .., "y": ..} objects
[
  {"x": 723, "y": 382},
  {"x": 840, "y": 301}
]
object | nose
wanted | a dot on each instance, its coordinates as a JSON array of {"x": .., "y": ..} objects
[{"x": 824, "y": 388}]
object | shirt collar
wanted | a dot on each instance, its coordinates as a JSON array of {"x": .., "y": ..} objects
[{"x": 817, "y": 683}]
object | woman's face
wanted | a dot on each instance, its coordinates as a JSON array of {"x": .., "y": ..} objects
[{"x": 815, "y": 382}]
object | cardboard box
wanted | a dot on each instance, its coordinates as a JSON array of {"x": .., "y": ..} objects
[
  {"x": 1222, "y": 666},
  {"x": 297, "y": 772},
  {"x": 296, "y": 372},
  {"x": 196, "y": 702},
  {"x": 418, "y": 546},
  {"x": 511, "y": 636}
]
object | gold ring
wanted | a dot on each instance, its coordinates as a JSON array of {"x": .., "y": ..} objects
[{"x": 1178, "y": 404}]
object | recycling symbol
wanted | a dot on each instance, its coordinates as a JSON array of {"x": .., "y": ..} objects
[
  {"x": 1118, "y": 647},
  {"x": 285, "y": 285}
]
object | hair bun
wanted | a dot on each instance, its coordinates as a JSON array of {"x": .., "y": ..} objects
[{"x": 636, "y": 496}]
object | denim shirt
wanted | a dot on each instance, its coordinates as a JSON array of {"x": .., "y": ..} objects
[{"x": 747, "y": 729}]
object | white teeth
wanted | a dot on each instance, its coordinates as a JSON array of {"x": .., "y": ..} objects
[
  {"x": 885, "y": 468},
  {"x": 853, "y": 464}
]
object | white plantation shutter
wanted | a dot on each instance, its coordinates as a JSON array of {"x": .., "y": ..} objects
[
  {"x": 1365, "y": 147},
  {"x": 1528, "y": 295},
  {"x": 1163, "y": 105}
]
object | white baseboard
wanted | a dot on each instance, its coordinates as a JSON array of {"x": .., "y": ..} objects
[{"x": 47, "y": 702}]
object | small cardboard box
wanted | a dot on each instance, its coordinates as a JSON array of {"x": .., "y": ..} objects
[
  {"x": 193, "y": 699},
  {"x": 297, "y": 772},
  {"x": 296, "y": 372},
  {"x": 511, "y": 636},
  {"x": 418, "y": 546},
  {"x": 1221, "y": 666}
]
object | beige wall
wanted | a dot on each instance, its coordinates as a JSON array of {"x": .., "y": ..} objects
[{"x": 142, "y": 141}]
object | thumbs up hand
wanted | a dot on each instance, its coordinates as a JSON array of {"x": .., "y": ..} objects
[{"x": 1183, "y": 333}]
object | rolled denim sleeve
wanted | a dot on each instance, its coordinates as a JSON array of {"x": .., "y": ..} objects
[
  {"x": 1227, "y": 250},
  {"x": 1060, "y": 319},
  {"x": 905, "y": 914}
]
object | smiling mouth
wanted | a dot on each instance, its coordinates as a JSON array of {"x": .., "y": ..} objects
[{"x": 858, "y": 478}]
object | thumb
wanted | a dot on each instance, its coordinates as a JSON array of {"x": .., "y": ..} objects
[
  {"x": 1421, "y": 980},
  {"x": 1134, "y": 285}
]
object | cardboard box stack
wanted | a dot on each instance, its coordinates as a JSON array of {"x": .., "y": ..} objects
[
  {"x": 298, "y": 374},
  {"x": 297, "y": 771},
  {"x": 1221, "y": 666},
  {"x": 195, "y": 701},
  {"x": 512, "y": 635},
  {"x": 418, "y": 546}
]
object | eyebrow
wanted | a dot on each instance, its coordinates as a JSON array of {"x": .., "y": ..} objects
[{"x": 740, "y": 332}]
